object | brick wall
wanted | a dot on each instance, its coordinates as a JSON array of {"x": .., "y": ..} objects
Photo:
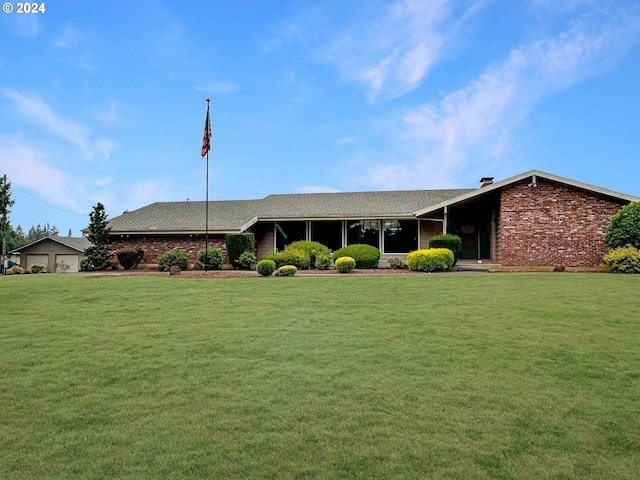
[
  {"x": 154, "y": 247},
  {"x": 553, "y": 224}
]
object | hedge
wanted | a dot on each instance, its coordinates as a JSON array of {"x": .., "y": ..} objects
[
  {"x": 430, "y": 260},
  {"x": 312, "y": 249},
  {"x": 365, "y": 256},
  {"x": 298, "y": 258},
  {"x": 452, "y": 242},
  {"x": 237, "y": 244}
]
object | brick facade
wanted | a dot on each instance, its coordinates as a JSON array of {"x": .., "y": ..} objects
[
  {"x": 155, "y": 247},
  {"x": 553, "y": 224}
]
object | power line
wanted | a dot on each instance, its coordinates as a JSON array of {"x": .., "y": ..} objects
[{"x": 46, "y": 203}]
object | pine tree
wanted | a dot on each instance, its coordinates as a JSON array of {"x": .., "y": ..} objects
[
  {"x": 5, "y": 204},
  {"x": 70, "y": 234},
  {"x": 96, "y": 256}
]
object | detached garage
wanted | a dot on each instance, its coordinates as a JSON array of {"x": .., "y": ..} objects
[{"x": 52, "y": 252}]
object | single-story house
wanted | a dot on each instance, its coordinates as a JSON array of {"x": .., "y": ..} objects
[
  {"x": 534, "y": 219},
  {"x": 52, "y": 251}
]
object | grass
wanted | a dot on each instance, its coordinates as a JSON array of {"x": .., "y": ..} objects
[{"x": 506, "y": 376}]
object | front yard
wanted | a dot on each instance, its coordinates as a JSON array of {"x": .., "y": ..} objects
[{"x": 414, "y": 376}]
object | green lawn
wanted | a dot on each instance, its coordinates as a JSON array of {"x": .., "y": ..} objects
[{"x": 468, "y": 376}]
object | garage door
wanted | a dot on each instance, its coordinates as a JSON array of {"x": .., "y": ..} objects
[
  {"x": 41, "y": 259},
  {"x": 71, "y": 260}
]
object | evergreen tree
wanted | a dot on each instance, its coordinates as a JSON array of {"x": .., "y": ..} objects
[
  {"x": 70, "y": 234},
  {"x": 5, "y": 205},
  {"x": 96, "y": 256},
  {"x": 16, "y": 238}
]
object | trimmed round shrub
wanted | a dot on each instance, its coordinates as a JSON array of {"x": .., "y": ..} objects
[
  {"x": 622, "y": 260},
  {"x": 37, "y": 268},
  {"x": 211, "y": 259},
  {"x": 345, "y": 264},
  {"x": 452, "y": 242},
  {"x": 287, "y": 271},
  {"x": 266, "y": 267},
  {"x": 247, "y": 260},
  {"x": 129, "y": 259},
  {"x": 430, "y": 260},
  {"x": 312, "y": 249},
  {"x": 294, "y": 257},
  {"x": 323, "y": 260},
  {"x": 237, "y": 244},
  {"x": 17, "y": 269},
  {"x": 625, "y": 227},
  {"x": 365, "y": 256},
  {"x": 173, "y": 257}
]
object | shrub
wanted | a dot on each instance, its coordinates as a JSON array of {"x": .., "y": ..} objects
[
  {"x": 37, "y": 268},
  {"x": 287, "y": 271},
  {"x": 397, "y": 263},
  {"x": 211, "y": 259},
  {"x": 9, "y": 271},
  {"x": 237, "y": 244},
  {"x": 129, "y": 259},
  {"x": 452, "y": 242},
  {"x": 625, "y": 227},
  {"x": 247, "y": 261},
  {"x": 430, "y": 260},
  {"x": 323, "y": 260},
  {"x": 266, "y": 267},
  {"x": 622, "y": 260},
  {"x": 62, "y": 267},
  {"x": 345, "y": 264},
  {"x": 312, "y": 249},
  {"x": 17, "y": 269},
  {"x": 173, "y": 257},
  {"x": 298, "y": 258},
  {"x": 365, "y": 256},
  {"x": 84, "y": 265}
]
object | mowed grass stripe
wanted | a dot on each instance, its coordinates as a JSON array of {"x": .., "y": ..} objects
[{"x": 434, "y": 376}]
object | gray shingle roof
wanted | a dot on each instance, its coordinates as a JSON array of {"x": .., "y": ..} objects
[
  {"x": 77, "y": 243},
  {"x": 232, "y": 215}
]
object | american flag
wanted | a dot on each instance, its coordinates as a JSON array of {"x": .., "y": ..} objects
[{"x": 206, "y": 139}]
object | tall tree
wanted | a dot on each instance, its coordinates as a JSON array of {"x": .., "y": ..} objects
[
  {"x": 70, "y": 234},
  {"x": 5, "y": 208},
  {"x": 96, "y": 256}
]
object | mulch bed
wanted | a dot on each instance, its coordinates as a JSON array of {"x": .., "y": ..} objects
[{"x": 250, "y": 274}]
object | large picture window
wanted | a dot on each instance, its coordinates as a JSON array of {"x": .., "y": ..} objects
[
  {"x": 289, "y": 232},
  {"x": 400, "y": 236},
  {"x": 328, "y": 233},
  {"x": 364, "y": 231}
]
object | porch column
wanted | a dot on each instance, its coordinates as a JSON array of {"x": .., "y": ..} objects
[{"x": 444, "y": 222}]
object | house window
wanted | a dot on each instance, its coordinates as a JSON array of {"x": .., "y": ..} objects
[
  {"x": 364, "y": 231},
  {"x": 289, "y": 232},
  {"x": 400, "y": 236},
  {"x": 328, "y": 233}
]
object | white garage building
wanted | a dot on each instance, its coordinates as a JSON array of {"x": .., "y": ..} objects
[{"x": 52, "y": 251}]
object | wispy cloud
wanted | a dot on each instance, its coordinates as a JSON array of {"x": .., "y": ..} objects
[
  {"x": 283, "y": 33},
  {"x": 28, "y": 168},
  {"x": 27, "y": 26},
  {"x": 109, "y": 115},
  {"x": 392, "y": 55},
  {"x": 471, "y": 128},
  {"x": 347, "y": 140},
  {"x": 316, "y": 189},
  {"x": 69, "y": 37},
  {"x": 36, "y": 111},
  {"x": 218, "y": 88}
]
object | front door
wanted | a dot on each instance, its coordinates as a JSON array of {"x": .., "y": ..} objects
[{"x": 476, "y": 238}]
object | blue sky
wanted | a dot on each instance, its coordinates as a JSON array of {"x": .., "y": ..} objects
[{"x": 104, "y": 101}]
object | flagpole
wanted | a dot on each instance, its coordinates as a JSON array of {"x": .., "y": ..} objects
[{"x": 206, "y": 220}]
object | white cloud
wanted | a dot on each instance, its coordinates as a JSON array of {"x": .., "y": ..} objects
[
  {"x": 38, "y": 112},
  {"x": 392, "y": 55},
  {"x": 105, "y": 147},
  {"x": 109, "y": 115},
  {"x": 470, "y": 129},
  {"x": 218, "y": 88},
  {"x": 28, "y": 168},
  {"x": 347, "y": 140},
  {"x": 316, "y": 189},
  {"x": 68, "y": 38}
]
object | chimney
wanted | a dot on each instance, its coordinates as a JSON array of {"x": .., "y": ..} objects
[{"x": 484, "y": 181}]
